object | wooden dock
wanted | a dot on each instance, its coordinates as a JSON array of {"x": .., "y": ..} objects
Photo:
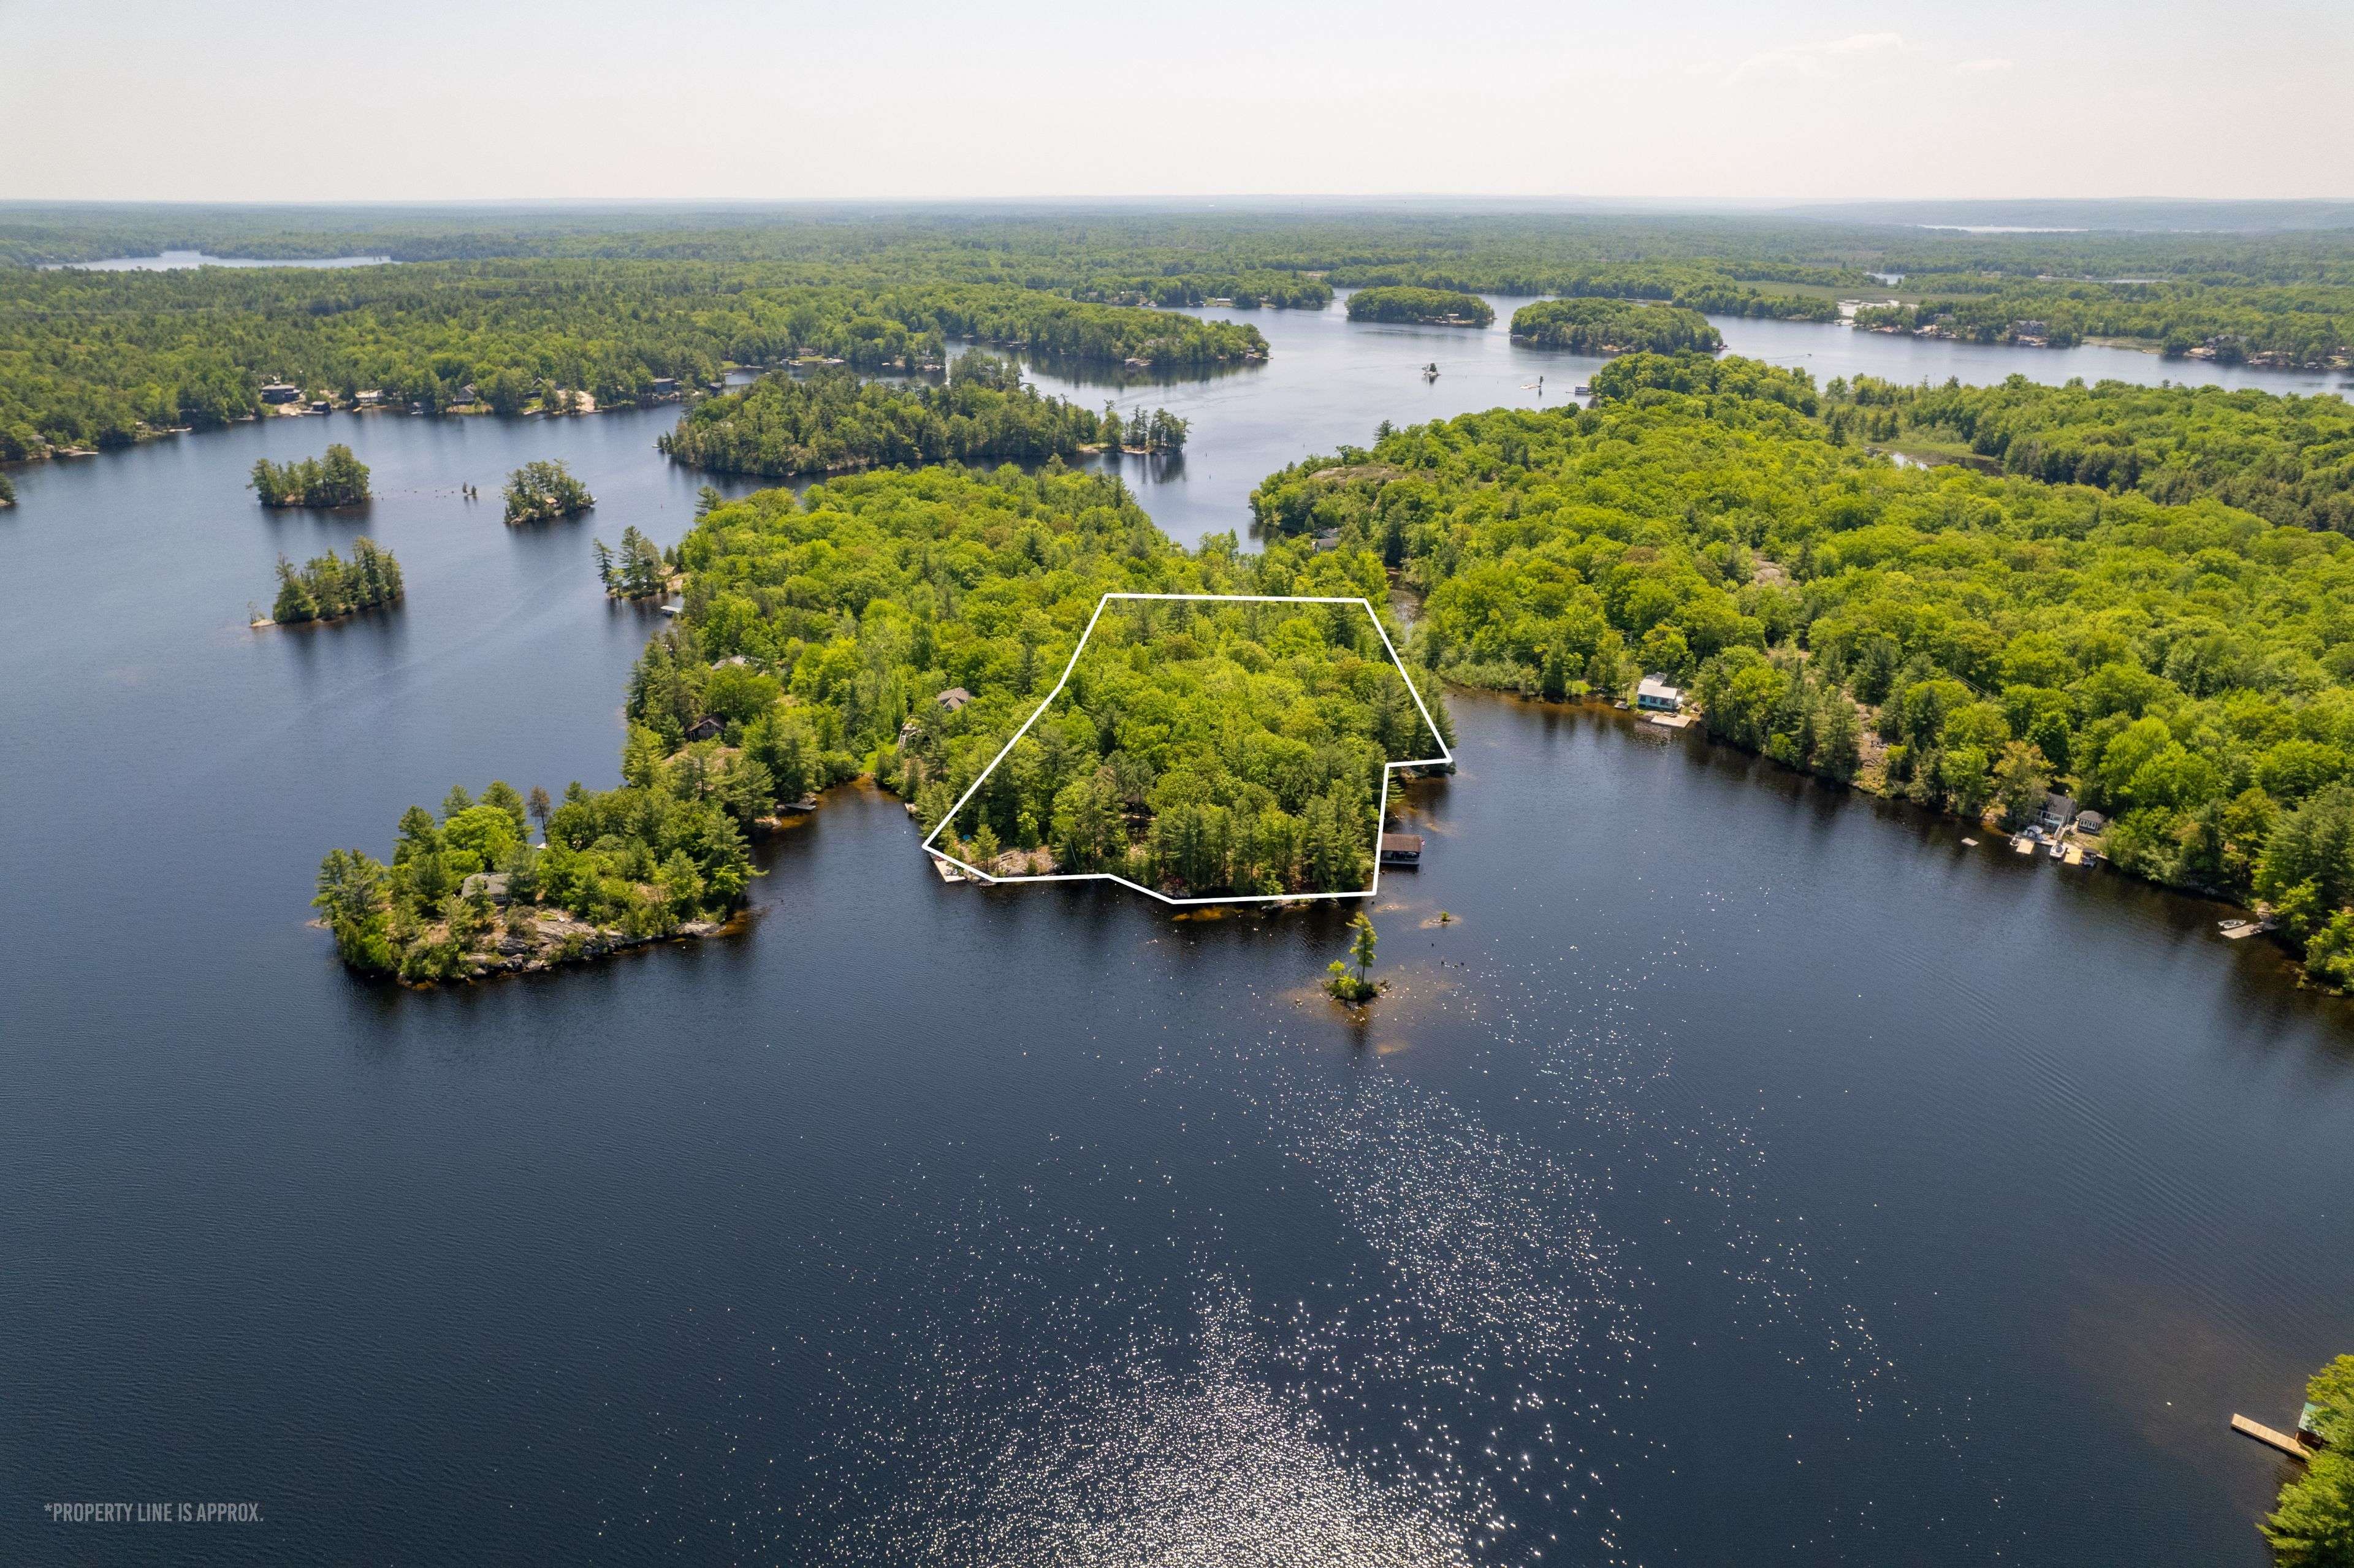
[{"x": 2262, "y": 1433}]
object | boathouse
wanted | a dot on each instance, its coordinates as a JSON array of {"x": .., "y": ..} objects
[
  {"x": 1656, "y": 697},
  {"x": 1401, "y": 849}
]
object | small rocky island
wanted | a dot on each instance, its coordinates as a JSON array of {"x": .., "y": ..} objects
[{"x": 545, "y": 492}]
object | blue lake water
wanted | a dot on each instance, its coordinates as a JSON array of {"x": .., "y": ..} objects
[{"x": 1747, "y": 1170}]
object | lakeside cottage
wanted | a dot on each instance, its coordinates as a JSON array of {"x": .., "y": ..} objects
[
  {"x": 280, "y": 392},
  {"x": 1654, "y": 695},
  {"x": 1401, "y": 849},
  {"x": 704, "y": 728},
  {"x": 2059, "y": 811}
]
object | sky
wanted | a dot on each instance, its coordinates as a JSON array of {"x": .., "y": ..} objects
[{"x": 921, "y": 99}]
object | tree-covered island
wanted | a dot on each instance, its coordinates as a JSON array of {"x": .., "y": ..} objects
[
  {"x": 1429, "y": 307},
  {"x": 543, "y": 492},
  {"x": 328, "y": 587},
  {"x": 338, "y": 479},
  {"x": 1614, "y": 326},
  {"x": 902, "y": 624}
]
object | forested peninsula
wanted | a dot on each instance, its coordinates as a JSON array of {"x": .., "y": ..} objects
[
  {"x": 819, "y": 638},
  {"x": 1962, "y": 640},
  {"x": 2288, "y": 458},
  {"x": 2308, "y": 327},
  {"x": 1429, "y": 307},
  {"x": 91, "y": 360},
  {"x": 1614, "y": 326},
  {"x": 834, "y": 423}
]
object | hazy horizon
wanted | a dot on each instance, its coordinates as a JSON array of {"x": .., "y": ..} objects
[{"x": 1696, "y": 105}]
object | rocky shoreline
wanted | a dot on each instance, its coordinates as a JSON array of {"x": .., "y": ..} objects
[{"x": 554, "y": 939}]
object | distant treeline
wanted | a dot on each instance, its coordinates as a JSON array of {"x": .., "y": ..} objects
[
  {"x": 95, "y": 359},
  {"x": 2286, "y": 459},
  {"x": 1496, "y": 252},
  {"x": 338, "y": 479},
  {"x": 326, "y": 586},
  {"x": 1244, "y": 291},
  {"x": 1614, "y": 326},
  {"x": 1430, "y": 306}
]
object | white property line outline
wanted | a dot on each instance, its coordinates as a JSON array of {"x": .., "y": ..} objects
[{"x": 1445, "y": 756}]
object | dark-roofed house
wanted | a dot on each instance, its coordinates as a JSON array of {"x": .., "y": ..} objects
[
  {"x": 704, "y": 728},
  {"x": 1401, "y": 849},
  {"x": 953, "y": 698},
  {"x": 2091, "y": 822},
  {"x": 2059, "y": 811}
]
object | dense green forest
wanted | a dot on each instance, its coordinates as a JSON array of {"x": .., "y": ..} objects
[
  {"x": 95, "y": 359},
  {"x": 327, "y": 587},
  {"x": 1201, "y": 749},
  {"x": 2289, "y": 459},
  {"x": 833, "y": 422},
  {"x": 1960, "y": 640},
  {"x": 338, "y": 479},
  {"x": 817, "y": 636},
  {"x": 545, "y": 492},
  {"x": 1439, "y": 307},
  {"x": 1613, "y": 326}
]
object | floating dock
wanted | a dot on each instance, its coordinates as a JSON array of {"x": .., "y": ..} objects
[
  {"x": 948, "y": 873},
  {"x": 2271, "y": 1438}
]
